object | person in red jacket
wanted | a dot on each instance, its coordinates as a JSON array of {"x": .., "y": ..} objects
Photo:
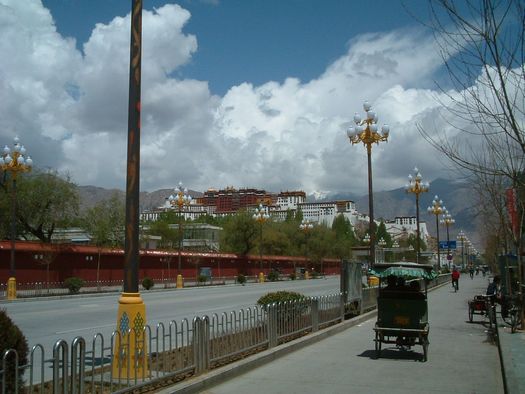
[{"x": 455, "y": 279}]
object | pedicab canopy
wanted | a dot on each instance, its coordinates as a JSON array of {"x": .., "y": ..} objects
[{"x": 404, "y": 270}]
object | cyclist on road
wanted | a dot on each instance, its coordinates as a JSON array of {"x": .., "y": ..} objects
[{"x": 455, "y": 278}]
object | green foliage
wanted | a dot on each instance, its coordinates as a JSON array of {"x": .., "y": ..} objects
[
  {"x": 240, "y": 233},
  {"x": 74, "y": 284},
  {"x": 279, "y": 296},
  {"x": 11, "y": 338},
  {"x": 45, "y": 201},
  {"x": 105, "y": 222},
  {"x": 273, "y": 276},
  {"x": 147, "y": 283},
  {"x": 202, "y": 279},
  {"x": 169, "y": 235},
  {"x": 241, "y": 279},
  {"x": 382, "y": 233}
]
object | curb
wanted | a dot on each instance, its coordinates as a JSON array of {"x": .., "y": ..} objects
[{"x": 222, "y": 374}]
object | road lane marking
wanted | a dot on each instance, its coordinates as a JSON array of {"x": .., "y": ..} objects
[{"x": 83, "y": 329}]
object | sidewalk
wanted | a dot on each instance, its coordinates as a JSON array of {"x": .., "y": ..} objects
[
  {"x": 462, "y": 359},
  {"x": 512, "y": 352}
]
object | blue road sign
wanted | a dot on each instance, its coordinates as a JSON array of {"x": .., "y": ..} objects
[{"x": 443, "y": 245}]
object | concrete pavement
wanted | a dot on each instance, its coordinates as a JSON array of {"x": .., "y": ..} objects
[{"x": 462, "y": 358}]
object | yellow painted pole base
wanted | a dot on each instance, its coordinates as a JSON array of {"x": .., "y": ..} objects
[
  {"x": 11, "y": 289},
  {"x": 261, "y": 277},
  {"x": 130, "y": 359},
  {"x": 306, "y": 275},
  {"x": 180, "y": 282}
]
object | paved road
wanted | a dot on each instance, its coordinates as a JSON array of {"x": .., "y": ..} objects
[
  {"x": 44, "y": 321},
  {"x": 461, "y": 359}
]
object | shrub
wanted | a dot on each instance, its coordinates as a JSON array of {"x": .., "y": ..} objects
[
  {"x": 273, "y": 276},
  {"x": 202, "y": 278},
  {"x": 74, "y": 284},
  {"x": 147, "y": 283},
  {"x": 241, "y": 279},
  {"x": 292, "y": 276},
  {"x": 279, "y": 296},
  {"x": 12, "y": 338}
]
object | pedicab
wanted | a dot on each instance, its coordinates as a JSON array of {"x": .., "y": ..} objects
[{"x": 402, "y": 310}]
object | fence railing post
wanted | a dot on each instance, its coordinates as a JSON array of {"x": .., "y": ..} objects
[
  {"x": 77, "y": 377},
  {"x": 60, "y": 349},
  {"x": 272, "y": 325},
  {"x": 315, "y": 314},
  {"x": 342, "y": 299}
]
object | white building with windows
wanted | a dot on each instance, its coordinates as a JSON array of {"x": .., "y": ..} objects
[{"x": 403, "y": 226}]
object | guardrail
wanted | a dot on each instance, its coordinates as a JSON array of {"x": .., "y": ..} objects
[{"x": 174, "y": 350}]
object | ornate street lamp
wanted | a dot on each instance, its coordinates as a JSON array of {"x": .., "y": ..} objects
[
  {"x": 417, "y": 187},
  {"x": 437, "y": 209},
  {"x": 463, "y": 238},
  {"x": 181, "y": 199},
  {"x": 260, "y": 216},
  {"x": 14, "y": 162},
  {"x": 366, "y": 131},
  {"x": 382, "y": 245},
  {"x": 448, "y": 221},
  {"x": 306, "y": 226}
]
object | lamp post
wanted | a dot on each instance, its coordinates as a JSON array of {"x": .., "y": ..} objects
[
  {"x": 461, "y": 237},
  {"x": 437, "y": 209},
  {"x": 260, "y": 216},
  {"x": 130, "y": 352},
  {"x": 382, "y": 245},
  {"x": 366, "y": 131},
  {"x": 306, "y": 226},
  {"x": 448, "y": 221},
  {"x": 395, "y": 248},
  {"x": 181, "y": 199},
  {"x": 417, "y": 187},
  {"x": 14, "y": 162}
]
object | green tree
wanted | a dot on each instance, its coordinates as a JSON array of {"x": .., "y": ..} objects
[
  {"x": 45, "y": 202},
  {"x": 240, "y": 234},
  {"x": 105, "y": 223},
  {"x": 381, "y": 233}
]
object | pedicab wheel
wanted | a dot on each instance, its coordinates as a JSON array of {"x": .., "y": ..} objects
[
  {"x": 470, "y": 313},
  {"x": 425, "y": 349},
  {"x": 513, "y": 321},
  {"x": 378, "y": 345}
]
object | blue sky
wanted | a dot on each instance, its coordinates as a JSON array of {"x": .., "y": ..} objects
[
  {"x": 235, "y": 93},
  {"x": 254, "y": 40}
]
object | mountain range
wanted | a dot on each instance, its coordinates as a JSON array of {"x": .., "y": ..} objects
[{"x": 456, "y": 196}]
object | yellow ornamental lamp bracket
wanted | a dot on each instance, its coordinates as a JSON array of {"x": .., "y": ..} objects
[{"x": 14, "y": 161}]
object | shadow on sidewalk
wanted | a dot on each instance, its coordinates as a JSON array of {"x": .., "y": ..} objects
[{"x": 393, "y": 353}]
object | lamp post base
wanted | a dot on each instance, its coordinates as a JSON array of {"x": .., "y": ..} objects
[
  {"x": 11, "y": 289},
  {"x": 130, "y": 352}
]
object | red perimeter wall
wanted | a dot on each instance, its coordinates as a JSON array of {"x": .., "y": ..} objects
[{"x": 68, "y": 260}]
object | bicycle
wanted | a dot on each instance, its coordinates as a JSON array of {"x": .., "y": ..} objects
[
  {"x": 455, "y": 285},
  {"x": 513, "y": 316}
]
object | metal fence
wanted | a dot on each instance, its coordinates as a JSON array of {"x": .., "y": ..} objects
[{"x": 174, "y": 351}]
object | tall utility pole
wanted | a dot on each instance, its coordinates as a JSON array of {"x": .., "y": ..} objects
[{"x": 130, "y": 360}]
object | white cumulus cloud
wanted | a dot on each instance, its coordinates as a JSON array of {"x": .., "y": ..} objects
[{"x": 70, "y": 108}]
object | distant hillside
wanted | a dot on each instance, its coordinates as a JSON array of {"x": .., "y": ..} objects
[
  {"x": 457, "y": 198},
  {"x": 91, "y": 195}
]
